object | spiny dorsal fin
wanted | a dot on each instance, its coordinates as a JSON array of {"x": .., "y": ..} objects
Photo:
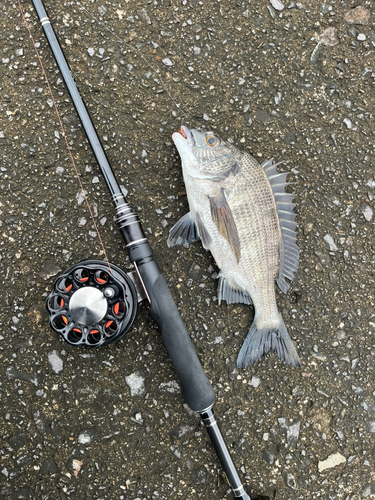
[
  {"x": 231, "y": 295},
  {"x": 223, "y": 219},
  {"x": 184, "y": 231},
  {"x": 289, "y": 251}
]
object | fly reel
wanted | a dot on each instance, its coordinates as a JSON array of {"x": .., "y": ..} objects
[{"x": 92, "y": 304}]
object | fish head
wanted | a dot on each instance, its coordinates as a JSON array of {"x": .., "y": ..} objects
[{"x": 204, "y": 155}]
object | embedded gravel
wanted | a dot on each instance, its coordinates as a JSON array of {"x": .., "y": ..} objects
[{"x": 289, "y": 80}]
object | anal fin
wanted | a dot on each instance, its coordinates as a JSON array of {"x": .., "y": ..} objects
[{"x": 231, "y": 295}]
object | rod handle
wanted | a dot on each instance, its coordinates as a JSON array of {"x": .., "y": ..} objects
[{"x": 196, "y": 388}]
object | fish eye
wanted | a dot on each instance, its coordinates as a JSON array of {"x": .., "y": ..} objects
[{"x": 212, "y": 140}]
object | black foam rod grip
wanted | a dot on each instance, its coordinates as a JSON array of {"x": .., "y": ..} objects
[{"x": 196, "y": 388}]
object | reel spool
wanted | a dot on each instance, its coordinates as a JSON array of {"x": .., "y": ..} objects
[{"x": 92, "y": 304}]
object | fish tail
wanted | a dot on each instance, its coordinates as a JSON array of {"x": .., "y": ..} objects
[{"x": 274, "y": 339}]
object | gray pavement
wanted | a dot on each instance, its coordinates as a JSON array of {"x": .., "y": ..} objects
[{"x": 293, "y": 81}]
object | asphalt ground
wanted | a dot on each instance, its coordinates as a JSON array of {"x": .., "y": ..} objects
[{"x": 111, "y": 423}]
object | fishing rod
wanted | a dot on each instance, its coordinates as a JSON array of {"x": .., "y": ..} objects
[{"x": 94, "y": 303}]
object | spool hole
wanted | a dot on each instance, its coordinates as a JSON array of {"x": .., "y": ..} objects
[
  {"x": 110, "y": 327},
  {"x": 94, "y": 337},
  {"x": 55, "y": 303},
  {"x": 75, "y": 335},
  {"x": 60, "y": 322},
  {"x": 119, "y": 309},
  {"x": 101, "y": 277},
  {"x": 81, "y": 275},
  {"x": 64, "y": 285}
]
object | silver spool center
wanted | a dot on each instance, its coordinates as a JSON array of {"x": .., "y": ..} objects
[{"x": 88, "y": 305}]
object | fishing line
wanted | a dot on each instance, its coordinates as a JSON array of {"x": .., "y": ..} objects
[
  {"x": 134, "y": 49},
  {"x": 64, "y": 134},
  {"x": 88, "y": 306}
]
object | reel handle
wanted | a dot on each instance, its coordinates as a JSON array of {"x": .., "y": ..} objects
[{"x": 196, "y": 388}]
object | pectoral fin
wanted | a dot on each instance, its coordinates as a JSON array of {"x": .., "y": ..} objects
[
  {"x": 184, "y": 231},
  {"x": 223, "y": 219}
]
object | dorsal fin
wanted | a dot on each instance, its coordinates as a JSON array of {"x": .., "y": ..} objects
[{"x": 289, "y": 251}]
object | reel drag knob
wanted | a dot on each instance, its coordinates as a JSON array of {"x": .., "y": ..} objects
[{"x": 92, "y": 304}]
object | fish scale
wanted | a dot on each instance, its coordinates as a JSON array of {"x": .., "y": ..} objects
[{"x": 240, "y": 211}]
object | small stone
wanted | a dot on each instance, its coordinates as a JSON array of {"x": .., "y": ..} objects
[
  {"x": 290, "y": 430},
  {"x": 270, "y": 453},
  {"x": 263, "y": 116},
  {"x": 331, "y": 462},
  {"x": 255, "y": 382},
  {"x": 80, "y": 197},
  {"x": 289, "y": 138},
  {"x": 136, "y": 383},
  {"x": 13, "y": 374},
  {"x": 85, "y": 437},
  {"x": 167, "y": 62},
  {"x": 371, "y": 426},
  {"x": 181, "y": 430},
  {"x": 91, "y": 51},
  {"x": 48, "y": 467},
  {"x": 329, "y": 37},
  {"x": 314, "y": 58},
  {"x": 49, "y": 270},
  {"x": 361, "y": 37},
  {"x": 137, "y": 418},
  {"x": 331, "y": 244},
  {"x": 368, "y": 491},
  {"x": 325, "y": 8},
  {"x": 56, "y": 362},
  {"x": 289, "y": 480},
  {"x": 81, "y": 222},
  {"x": 349, "y": 124},
  {"x": 171, "y": 387},
  {"x": 142, "y": 13},
  {"x": 367, "y": 212},
  {"x": 77, "y": 465},
  {"x": 278, "y": 97},
  {"x": 357, "y": 390},
  {"x": 120, "y": 13},
  {"x": 277, "y": 5},
  {"x": 199, "y": 476},
  {"x": 175, "y": 450},
  {"x": 21, "y": 494},
  {"x": 358, "y": 15},
  {"x": 298, "y": 391}
]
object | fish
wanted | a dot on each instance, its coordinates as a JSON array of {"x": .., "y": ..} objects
[{"x": 241, "y": 213}]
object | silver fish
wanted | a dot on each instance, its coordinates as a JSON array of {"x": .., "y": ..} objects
[{"x": 241, "y": 213}]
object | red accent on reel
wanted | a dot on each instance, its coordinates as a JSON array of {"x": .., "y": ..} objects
[{"x": 92, "y": 304}]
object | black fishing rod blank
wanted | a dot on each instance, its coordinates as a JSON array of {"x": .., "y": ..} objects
[{"x": 94, "y": 304}]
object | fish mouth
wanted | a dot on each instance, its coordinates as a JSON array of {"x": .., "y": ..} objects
[{"x": 184, "y": 134}]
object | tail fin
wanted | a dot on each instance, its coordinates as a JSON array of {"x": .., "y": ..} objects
[{"x": 259, "y": 342}]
